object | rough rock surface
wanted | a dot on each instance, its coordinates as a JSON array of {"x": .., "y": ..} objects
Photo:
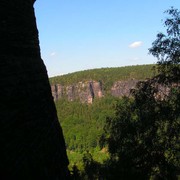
[
  {"x": 83, "y": 91},
  {"x": 87, "y": 91},
  {"x": 31, "y": 139},
  {"x": 122, "y": 88}
]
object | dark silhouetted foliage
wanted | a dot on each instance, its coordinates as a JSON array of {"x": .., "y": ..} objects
[{"x": 143, "y": 138}]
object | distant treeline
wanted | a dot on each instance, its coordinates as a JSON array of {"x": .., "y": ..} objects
[{"x": 106, "y": 75}]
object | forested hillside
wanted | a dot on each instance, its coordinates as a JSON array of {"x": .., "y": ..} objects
[
  {"x": 106, "y": 75},
  {"x": 88, "y": 85},
  {"x": 83, "y": 124}
]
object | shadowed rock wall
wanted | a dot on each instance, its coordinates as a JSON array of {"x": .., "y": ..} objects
[
  {"x": 122, "y": 88},
  {"x": 31, "y": 139}
]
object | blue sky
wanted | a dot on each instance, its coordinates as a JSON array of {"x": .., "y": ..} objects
[{"x": 85, "y": 34}]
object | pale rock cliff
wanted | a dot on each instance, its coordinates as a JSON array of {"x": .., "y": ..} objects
[
  {"x": 87, "y": 91},
  {"x": 83, "y": 91}
]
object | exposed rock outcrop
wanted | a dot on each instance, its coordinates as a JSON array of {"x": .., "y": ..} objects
[
  {"x": 83, "y": 91},
  {"x": 122, "y": 88},
  {"x": 87, "y": 91}
]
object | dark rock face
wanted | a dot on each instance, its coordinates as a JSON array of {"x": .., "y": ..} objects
[
  {"x": 122, "y": 88},
  {"x": 57, "y": 91},
  {"x": 31, "y": 139}
]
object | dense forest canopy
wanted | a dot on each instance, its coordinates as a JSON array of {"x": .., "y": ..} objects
[
  {"x": 106, "y": 75},
  {"x": 83, "y": 124}
]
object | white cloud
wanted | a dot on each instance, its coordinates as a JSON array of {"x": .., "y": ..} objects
[
  {"x": 135, "y": 44},
  {"x": 53, "y": 54},
  {"x": 136, "y": 59}
]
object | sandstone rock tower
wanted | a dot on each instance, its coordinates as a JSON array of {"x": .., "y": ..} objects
[{"x": 31, "y": 140}]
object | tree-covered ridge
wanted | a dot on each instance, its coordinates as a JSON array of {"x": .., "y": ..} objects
[
  {"x": 82, "y": 123},
  {"x": 106, "y": 75}
]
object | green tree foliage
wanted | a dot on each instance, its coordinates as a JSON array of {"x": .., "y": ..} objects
[
  {"x": 144, "y": 135},
  {"x": 143, "y": 138},
  {"x": 106, "y": 75},
  {"x": 166, "y": 48},
  {"x": 90, "y": 167},
  {"x": 82, "y": 123}
]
